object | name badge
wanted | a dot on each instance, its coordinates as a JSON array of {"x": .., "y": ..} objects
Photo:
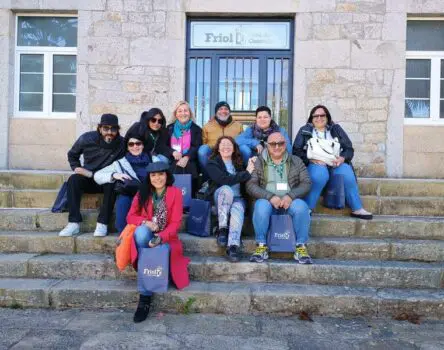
[
  {"x": 177, "y": 148},
  {"x": 281, "y": 186}
]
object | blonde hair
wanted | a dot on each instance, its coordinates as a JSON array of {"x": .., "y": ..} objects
[{"x": 176, "y": 107}]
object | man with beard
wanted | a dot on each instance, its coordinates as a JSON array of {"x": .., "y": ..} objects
[
  {"x": 222, "y": 124},
  {"x": 99, "y": 149}
]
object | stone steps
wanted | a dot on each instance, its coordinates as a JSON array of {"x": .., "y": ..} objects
[
  {"x": 226, "y": 298},
  {"x": 319, "y": 247},
  {"x": 217, "y": 269},
  {"x": 322, "y": 225}
]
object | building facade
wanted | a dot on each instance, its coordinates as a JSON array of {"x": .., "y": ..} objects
[{"x": 378, "y": 65}]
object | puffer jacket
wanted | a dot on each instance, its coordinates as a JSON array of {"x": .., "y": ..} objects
[{"x": 213, "y": 130}]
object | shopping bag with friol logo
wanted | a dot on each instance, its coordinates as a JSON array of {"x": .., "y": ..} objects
[
  {"x": 281, "y": 237},
  {"x": 153, "y": 269},
  {"x": 183, "y": 181},
  {"x": 199, "y": 218}
]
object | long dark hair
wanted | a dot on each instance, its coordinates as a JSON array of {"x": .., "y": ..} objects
[
  {"x": 235, "y": 157},
  {"x": 327, "y": 112},
  {"x": 146, "y": 116},
  {"x": 146, "y": 189}
]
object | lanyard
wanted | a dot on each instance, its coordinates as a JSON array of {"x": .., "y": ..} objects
[{"x": 325, "y": 133}]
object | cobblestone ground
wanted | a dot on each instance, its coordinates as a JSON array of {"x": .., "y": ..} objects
[{"x": 74, "y": 329}]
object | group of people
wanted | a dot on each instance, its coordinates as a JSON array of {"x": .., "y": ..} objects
[{"x": 258, "y": 166}]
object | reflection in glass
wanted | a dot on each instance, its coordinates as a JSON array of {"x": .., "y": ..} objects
[
  {"x": 31, "y": 82},
  {"x": 277, "y": 89},
  {"x": 417, "y": 88},
  {"x": 418, "y": 68},
  {"x": 63, "y": 103},
  {"x": 31, "y": 102},
  {"x": 417, "y": 108},
  {"x": 47, "y": 31},
  {"x": 425, "y": 35},
  {"x": 65, "y": 64},
  {"x": 31, "y": 63},
  {"x": 199, "y": 87},
  {"x": 64, "y": 84},
  {"x": 441, "y": 109}
]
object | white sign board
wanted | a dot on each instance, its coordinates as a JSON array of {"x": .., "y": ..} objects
[{"x": 240, "y": 35}]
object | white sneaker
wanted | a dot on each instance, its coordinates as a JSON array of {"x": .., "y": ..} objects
[
  {"x": 101, "y": 230},
  {"x": 73, "y": 228}
]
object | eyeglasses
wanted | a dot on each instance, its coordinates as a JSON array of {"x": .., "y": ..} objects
[
  {"x": 156, "y": 120},
  {"x": 132, "y": 144},
  {"x": 319, "y": 116},
  {"x": 107, "y": 128},
  {"x": 276, "y": 144}
]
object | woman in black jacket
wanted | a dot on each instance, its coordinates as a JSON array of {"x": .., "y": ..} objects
[
  {"x": 152, "y": 130},
  {"x": 184, "y": 138},
  {"x": 227, "y": 178},
  {"x": 321, "y": 125}
]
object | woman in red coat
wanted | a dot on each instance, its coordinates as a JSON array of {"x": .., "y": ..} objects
[{"x": 157, "y": 211}]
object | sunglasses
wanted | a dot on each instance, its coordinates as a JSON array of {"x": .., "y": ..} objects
[
  {"x": 319, "y": 116},
  {"x": 132, "y": 144},
  {"x": 156, "y": 120},
  {"x": 107, "y": 128},
  {"x": 276, "y": 144}
]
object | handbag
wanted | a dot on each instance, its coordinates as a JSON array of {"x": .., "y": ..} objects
[
  {"x": 324, "y": 150},
  {"x": 123, "y": 247},
  {"x": 153, "y": 269},
  {"x": 61, "y": 203},
  {"x": 199, "y": 218},
  {"x": 127, "y": 187},
  {"x": 334, "y": 194},
  {"x": 281, "y": 235}
]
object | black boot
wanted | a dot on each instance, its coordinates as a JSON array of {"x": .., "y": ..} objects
[
  {"x": 143, "y": 308},
  {"x": 222, "y": 237}
]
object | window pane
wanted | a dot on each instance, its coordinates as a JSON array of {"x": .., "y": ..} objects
[
  {"x": 64, "y": 84},
  {"x": 31, "y": 63},
  {"x": 418, "y": 69},
  {"x": 417, "y": 108},
  {"x": 442, "y": 68},
  {"x": 31, "y": 83},
  {"x": 31, "y": 102},
  {"x": 425, "y": 35},
  {"x": 417, "y": 88},
  {"x": 47, "y": 31},
  {"x": 441, "y": 109},
  {"x": 442, "y": 89},
  {"x": 64, "y": 64},
  {"x": 63, "y": 103}
]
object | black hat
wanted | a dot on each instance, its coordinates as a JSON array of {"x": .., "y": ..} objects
[
  {"x": 221, "y": 104},
  {"x": 109, "y": 119},
  {"x": 157, "y": 167}
]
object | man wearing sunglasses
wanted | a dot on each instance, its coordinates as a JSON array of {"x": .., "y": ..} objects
[
  {"x": 279, "y": 182},
  {"x": 99, "y": 149}
]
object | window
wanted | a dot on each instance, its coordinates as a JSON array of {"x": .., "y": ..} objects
[
  {"x": 424, "y": 84},
  {"x": 46, "y": 66}
]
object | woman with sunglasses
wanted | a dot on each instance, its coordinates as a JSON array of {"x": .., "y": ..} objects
[
  {"x": 227, "y": 179},
  {"x": 185, "y": 138},
  {"x": 252, "y": 141},
  {"x": 152, "y": 130},
  {"x": 157, "y": 211},
  {"x": 129, "y": 172},
  {"x": 321, "y": 125}
]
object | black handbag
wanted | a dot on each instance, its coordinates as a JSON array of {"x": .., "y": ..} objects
[{"x": 127, "y": 187}]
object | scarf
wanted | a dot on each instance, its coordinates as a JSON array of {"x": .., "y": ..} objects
[
  {"x": 279, "y": 167},
  {"x": 224, "y": 123},
  {"x": 180, "y": 129},
  {"x": 139, "y": 164},
  {"x": 160, "y": 210},
  {"x": 261, "y": 134}
]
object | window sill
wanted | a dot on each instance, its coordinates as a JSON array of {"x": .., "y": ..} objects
[
  {"x": 424, "y": 121},
  {"x": 45, "y": 116}
]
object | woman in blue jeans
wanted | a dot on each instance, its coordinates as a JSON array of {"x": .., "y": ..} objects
[
  {"x": 321, "y": 125},
  {"x": 131, "y": 168}
]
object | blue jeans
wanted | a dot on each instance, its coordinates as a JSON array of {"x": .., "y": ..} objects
[
  {"x": 203, "y": 154},
  {"x": 246, "y": 153},
  {"x": 319, "y": 176},
  {"x": 123, "y": 205},
  {"x": 298, "y": 210}
]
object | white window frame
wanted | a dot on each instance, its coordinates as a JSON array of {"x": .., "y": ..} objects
[
  {"x": 48, "y": 53},
  {"x": 435, "y": 58}
]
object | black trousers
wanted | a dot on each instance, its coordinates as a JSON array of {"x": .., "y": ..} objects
[{"x": 77, "y": 185}]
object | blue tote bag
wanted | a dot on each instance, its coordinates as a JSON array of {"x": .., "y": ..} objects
[
  {"x": 183, "y": 181},
  {"x": 61, "y": 202},
  {"x": 281, "y": 236},
  {"x": 199, "y": 218},
  {"x": 153, "y": 269},
  {"x": 334, "y": 195}
]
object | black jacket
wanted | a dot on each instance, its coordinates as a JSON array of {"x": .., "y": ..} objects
[
  {"x": 306, "y": 132},
  {"x": 219, "y": 176},
  {"x": 152, "y": 145},
  {"x": 97, "y": 154}
]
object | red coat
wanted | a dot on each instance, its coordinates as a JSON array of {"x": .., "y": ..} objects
[{"x": 178, "y": 263}]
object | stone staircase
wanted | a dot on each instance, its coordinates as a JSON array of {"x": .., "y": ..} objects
[{"x": 391, "y": 265}]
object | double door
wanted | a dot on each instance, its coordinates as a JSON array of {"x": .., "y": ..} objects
[{"x": 245, "y": 80}]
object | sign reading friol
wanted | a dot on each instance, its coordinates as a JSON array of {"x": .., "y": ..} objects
[{"x": 240, "y": 35}]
